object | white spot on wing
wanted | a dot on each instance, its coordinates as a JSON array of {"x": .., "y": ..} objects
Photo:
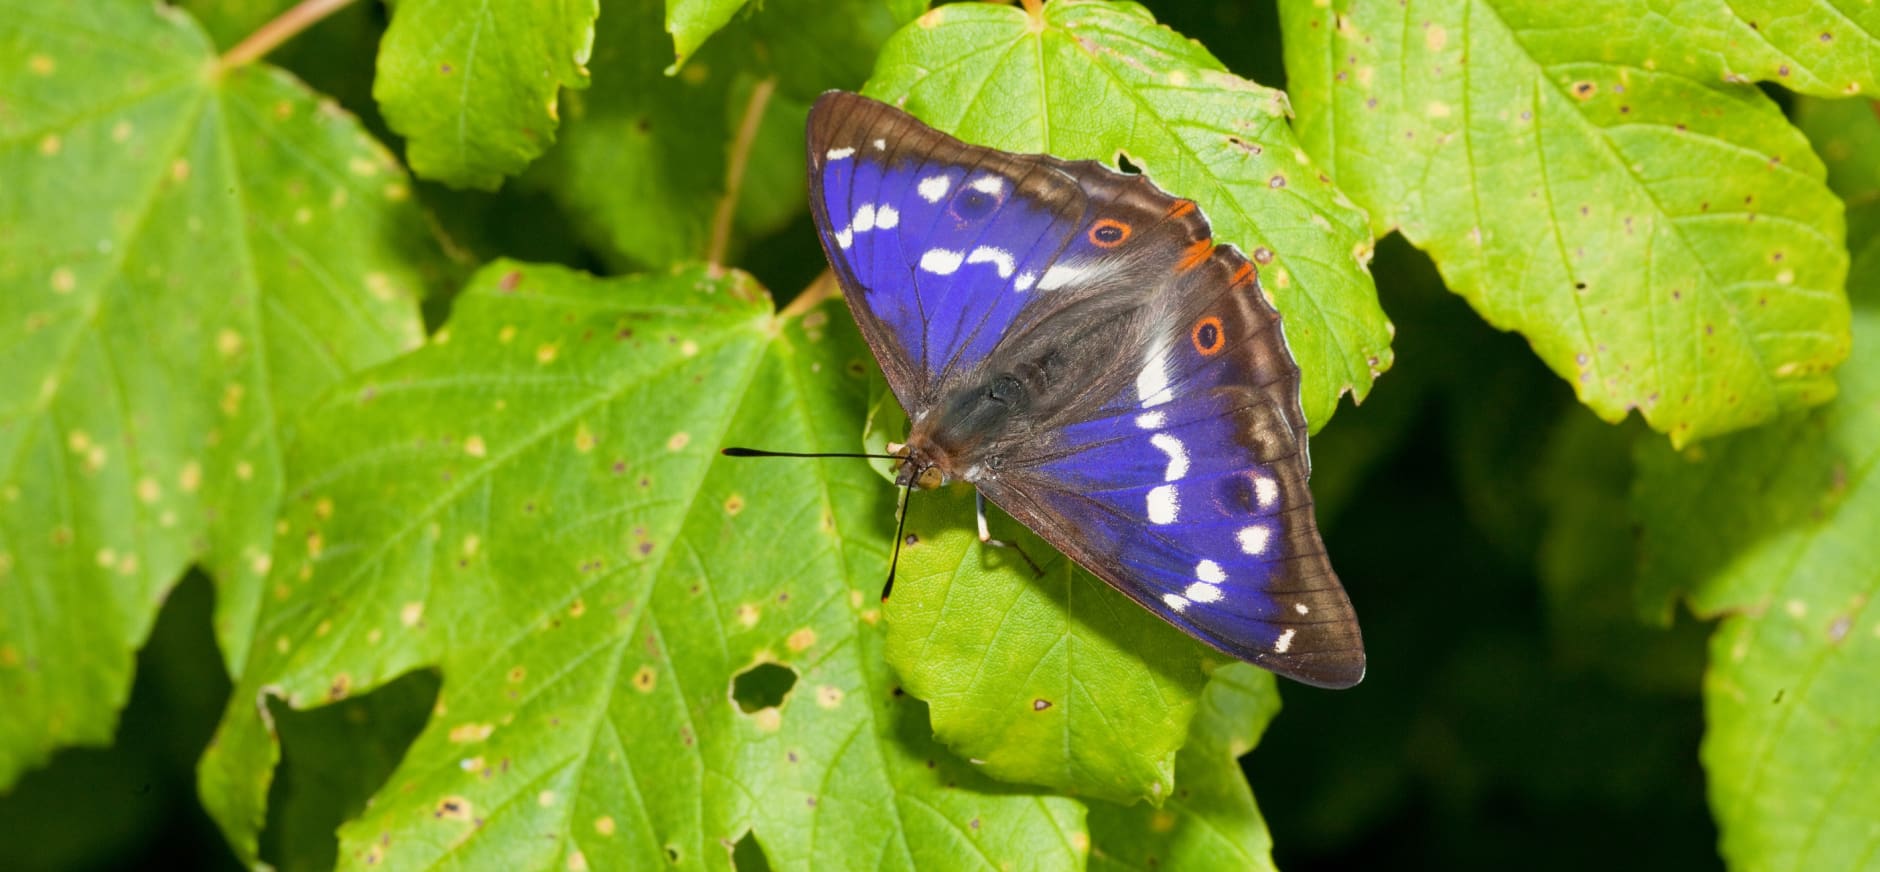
[
  {"x": 1175, "y": 601},
  {"x": 1266, "y": 491},
  {"x": 864, "y": 218},
  {"x": 880, "y": 144},
  {"x": 1203, "y": 592},
  {"x": 1284, "y": 642},
  {"x": 940, "y": 261},
  {"x": 1210, "y": 572},
  {"x": 996, "y": 256},
  {"x": 1177, "y": 455},
  {"x": 1163, "y": 506},
  {"x": 1302, "y": 608},
  {"x": 839, "y": 153},
  {"x": 989, "y": 184},
  {"x": 932, "y": 188},
  {"x": 1059, "y": 276},
  {"x": 1253, "y": 539},
  {"x": 1150, "y": 420},
  {"x": 1152, "y": 382},
  {"x": 1025, "y": 281},
  {"x": 844, "y": 237},
  {"x": 886, "y": 217}
]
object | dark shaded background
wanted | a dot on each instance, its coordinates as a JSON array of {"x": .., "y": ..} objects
[{"x": 1515, "y": 715}]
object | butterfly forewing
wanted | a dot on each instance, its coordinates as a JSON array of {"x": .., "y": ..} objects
[{"x": 1160, "y": 441}]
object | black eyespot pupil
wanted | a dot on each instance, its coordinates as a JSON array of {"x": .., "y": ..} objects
[
  {"x": 1109, "y": 233},
  {"x": 1209, "y": 335},
  {"x": 975, "y": 203}
]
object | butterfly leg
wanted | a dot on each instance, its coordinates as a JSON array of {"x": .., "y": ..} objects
[{"x": 985, "y": 535}]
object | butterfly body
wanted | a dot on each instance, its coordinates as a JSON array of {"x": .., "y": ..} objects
[{"x": 1071, "y": 341}]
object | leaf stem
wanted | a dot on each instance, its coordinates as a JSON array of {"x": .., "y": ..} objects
[
  {"x": 819, "y": 290},
  {"x": 734, "y": 170},
  {"x": 284, "y": 27}
]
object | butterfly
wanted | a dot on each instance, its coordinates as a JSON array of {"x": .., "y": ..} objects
[{"x": 1072, "y": 341}]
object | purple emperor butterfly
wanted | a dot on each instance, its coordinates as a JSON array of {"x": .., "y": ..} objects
[{"x": 1070, "y": 340}]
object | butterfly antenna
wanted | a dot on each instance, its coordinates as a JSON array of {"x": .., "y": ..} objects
[
  {"x": 759, "y": 452},
  {"x": 900, "y": 526}
]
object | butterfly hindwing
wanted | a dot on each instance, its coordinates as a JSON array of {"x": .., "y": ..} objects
[{"x": 1151, "y": 429}]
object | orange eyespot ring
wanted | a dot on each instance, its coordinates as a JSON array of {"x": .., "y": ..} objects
[
  {"x": 1108, "y": 233},
  {"x": 1208, "y": 336}
]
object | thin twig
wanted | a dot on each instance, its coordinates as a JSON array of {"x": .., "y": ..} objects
[
  {"x": 734, "y": 170},
  {"x": 819, "y": 290},
  {"x": 305, "y": 14}
]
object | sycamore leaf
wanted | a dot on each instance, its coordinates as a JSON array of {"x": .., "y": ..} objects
[
  {"x": 1103, "y": 80},
  {"x": 473, "y": 85},
  {"x": 1210, "y": 822},
  {"x": 1662, "y": 237},
  {"x": 691, "y": 21},
  {"x": 190, "y": 254},
  {"x": 1774, "y": 532},
  {"x": 647, "y": 650}
]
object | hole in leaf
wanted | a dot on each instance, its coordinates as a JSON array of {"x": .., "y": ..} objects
[
  {"x": 762, "y": 686},
  {"x": 748, "y": 856},
  {"x": 672, "y": 854},
  {"x": 1126, "y": 165}
]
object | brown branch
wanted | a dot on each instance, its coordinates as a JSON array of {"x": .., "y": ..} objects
[
  {"x": 303, "y": 15},
  {"x": 734, "y": 171},
  {"x": 822, "y": 288}
]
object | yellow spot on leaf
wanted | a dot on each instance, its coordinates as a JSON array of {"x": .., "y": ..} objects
[
  {"x": 1434, "y": 36},
  {"x": 362, "y": 167},
  {"x": 932, "y": 19},
  {"x": 577, "y": 861},
  {"x": 63, "y": 281},
  {"x": 545, "y": 799},
  {"x": 583, "y": 438},
  {"x": 411, "y": 614},
  {"x": 148, "y": 490},
  {"x": 471, "y": 542},
  {"x": 768, "y": 719},
  {"x": 604, "y": 826},
  {"x": 179, "y": 170},
  {"x": 41, "y": 65},
  {"x": 829, "y": 696},
  {"x": 801, "y": 639},
  {"x": 688, "y": 348},
  {"x": 244, "y": 470},
  {"x": 734, "y": 504},
  {"x": 261, "y": 563},
  {"x": 397, "y": 192},
  {"x": 678, "y": 441},
  {"x": 645, "y": 679},
  {"x": 517, "y": 673},
  {"x": 228, "y": 342},
  {"x": 577, "y": 608},
  {"x": 464, "y": 734},
  {"x": 282, "y": 644},
  {"x": 546, "y": 353},
  {"x": 1437, "y": 109},
  {"x": 474, "y": 446},
  {"x": 51, "y": 145},
  {"x": 107, "y": 558},
  {"x": 507, "y": 333},
  {"x": 315, "y": 544},
  {"x": 323, "y": 508},
  {"x": 1162, "y": 821},
  {"x": 747, "y": 615},
  {"x": 232, "y": 398}
]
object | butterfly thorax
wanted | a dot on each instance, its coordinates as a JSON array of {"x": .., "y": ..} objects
[{"x": 958, "y": 440}]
